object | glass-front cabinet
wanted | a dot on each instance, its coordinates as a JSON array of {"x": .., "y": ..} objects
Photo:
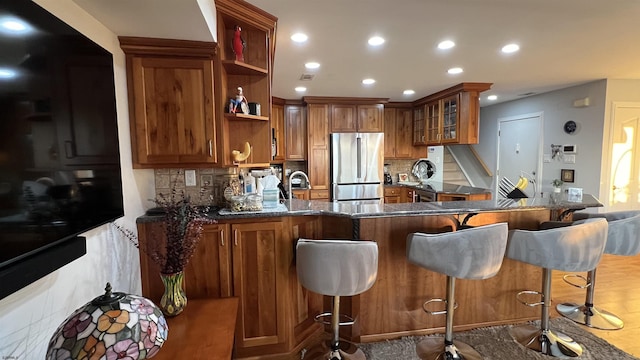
[
  {"x": 450, "y": 116},
  {"x": 418, "y": 126},
  {"x": 450, "y": 121}
]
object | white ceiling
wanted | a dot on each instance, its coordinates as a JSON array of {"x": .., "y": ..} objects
[{"x": 562, "y": 42}]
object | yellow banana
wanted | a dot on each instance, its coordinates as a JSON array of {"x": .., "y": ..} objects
[
  {"x": 519, "y": 183},
  {"x": 525, "y": 183},
  {"x": 242, "y": 156}
]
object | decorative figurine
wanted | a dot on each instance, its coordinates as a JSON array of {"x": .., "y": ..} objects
[
  {"x": 239, "y": 104},
  {"x": 238, "y": 44}
]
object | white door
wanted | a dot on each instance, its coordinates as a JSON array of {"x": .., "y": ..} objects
[
  {"x": 519, "y": 151},
  {"x": 624, "y": 170}
]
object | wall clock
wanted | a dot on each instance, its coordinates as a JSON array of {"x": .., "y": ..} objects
[{"x": 570, "y": 127}]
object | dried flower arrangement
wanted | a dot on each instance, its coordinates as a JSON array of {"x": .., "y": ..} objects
[{"x": 182, "y": 223}]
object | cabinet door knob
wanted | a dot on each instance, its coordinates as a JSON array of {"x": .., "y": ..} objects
[
  {"x": 221, "y": 237},
  {"x": 210, "y": 148},
  {"x": 235, "y": 237}
]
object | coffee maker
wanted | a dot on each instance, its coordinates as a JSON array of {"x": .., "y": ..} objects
[{"x": 387, "y": 176}]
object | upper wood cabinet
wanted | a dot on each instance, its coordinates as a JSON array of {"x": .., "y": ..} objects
[
  {"x": 355, "y": 114},
  {"x": 398, "y": 133},
  {"x": 450, "y": 116},
  {"x": 295, "y": 124},
  {"x": 318, "y": 148},
  {"x": 171, "y": 101},
  {"x": 277, "y": 130},
  {"x": 253, "y": 74}
]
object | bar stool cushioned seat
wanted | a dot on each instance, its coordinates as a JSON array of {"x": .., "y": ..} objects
[
  {"x": 337, "y": 268},
  {"x": 623, "y": 239},
  {"x": 472, "y": 253},
  {"x": 572, "y": 248}
]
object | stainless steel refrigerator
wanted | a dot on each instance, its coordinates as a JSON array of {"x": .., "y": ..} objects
[{"x": 357, "y": 161}]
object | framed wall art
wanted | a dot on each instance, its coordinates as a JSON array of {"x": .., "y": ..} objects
[{"x": 567, "y": 175}]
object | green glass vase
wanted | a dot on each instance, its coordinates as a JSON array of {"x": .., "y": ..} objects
[{"x": 174, "y": 300}]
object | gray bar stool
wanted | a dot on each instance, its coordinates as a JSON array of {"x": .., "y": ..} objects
[
  {"x": 623, "y": 239},
  {"x": 572, "y": 248},
  {"x": 472, "y": 253},
  {"x": 337, "y": 268}
]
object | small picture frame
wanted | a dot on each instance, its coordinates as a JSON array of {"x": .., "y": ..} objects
[
  {"x": 567, "y": 175},
  {"x": 403, "y": 177}
]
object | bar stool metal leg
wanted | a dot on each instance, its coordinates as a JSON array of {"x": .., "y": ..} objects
[
  {"x": 587, "y": 314},
  {"x": 542, "y": 339},
  {"x": 433, "y": 348}
]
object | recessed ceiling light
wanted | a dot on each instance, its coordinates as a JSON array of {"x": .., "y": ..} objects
[
  {"x": 408, "y": 92},
  {"x": 14, "y": 25},
  {"x": 299, "y": 37},
  {"x": 376, "y": 41},
  {"x": 510, "y": 48},
  {"x": 301, "y": 89},
  {"x": 492, "y": 97},
  {"x": 368, "y": 81},
  {"x": 447, "y": 44},
  {"x": 312, "y": 65},
  {"x": 7, "y": 73},
  {"x": 455, "y": 70}
]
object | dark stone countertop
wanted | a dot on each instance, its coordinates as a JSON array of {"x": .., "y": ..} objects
[
  {"x": 444, "y": 188},
  {"x": 355, "y": 210}
]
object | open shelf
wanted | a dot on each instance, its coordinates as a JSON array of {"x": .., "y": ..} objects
[
  {"x": 246, "y": 117},
  {"x": 239, "y": 68}
]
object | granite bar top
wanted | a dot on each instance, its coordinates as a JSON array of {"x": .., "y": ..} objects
[
  {"x": 442, "y": 188},
  {"x": 356, "y": 210}
]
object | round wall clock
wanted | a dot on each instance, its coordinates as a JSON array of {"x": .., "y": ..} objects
[{"x": 570, "y": 127}]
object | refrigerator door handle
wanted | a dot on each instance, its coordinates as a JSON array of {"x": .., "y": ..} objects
[{"x": 359, "y": 158}]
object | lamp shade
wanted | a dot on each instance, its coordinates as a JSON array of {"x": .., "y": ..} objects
[{"x": 111, "y": 326}]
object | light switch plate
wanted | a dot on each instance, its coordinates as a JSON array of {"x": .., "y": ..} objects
[
  {"x": 190, "y": 178},
  {"x": 569, "y": 159}
]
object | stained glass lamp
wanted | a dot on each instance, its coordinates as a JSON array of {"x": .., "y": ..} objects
[{"x": 111, "y": 326}]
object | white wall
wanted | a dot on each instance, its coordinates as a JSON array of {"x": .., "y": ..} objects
[
  {"x": 557, "y": 108},
  {"x": 29, "y": 317}
]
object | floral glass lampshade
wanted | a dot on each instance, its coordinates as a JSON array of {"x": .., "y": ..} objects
[{"x": 111, "y": 326}]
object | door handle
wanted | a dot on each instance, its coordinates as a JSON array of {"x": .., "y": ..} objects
[{"x": 221, "y": 237}]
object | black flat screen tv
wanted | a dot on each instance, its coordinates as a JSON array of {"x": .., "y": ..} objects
[{"x": 59, "y": 155}]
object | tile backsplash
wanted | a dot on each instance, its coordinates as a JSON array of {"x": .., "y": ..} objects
[{"x": 401, "y": 167}]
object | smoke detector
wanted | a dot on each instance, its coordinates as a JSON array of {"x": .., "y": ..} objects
[{"x": 306, "y": 77}]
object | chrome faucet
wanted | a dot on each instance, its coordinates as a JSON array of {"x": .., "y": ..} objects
[{"x": 295, "y": 173}]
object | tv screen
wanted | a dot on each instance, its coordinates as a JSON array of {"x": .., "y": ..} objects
[{"x": 59, "y": 154}]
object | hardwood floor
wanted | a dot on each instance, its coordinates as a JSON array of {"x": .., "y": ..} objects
[{"x": 617, "y": 291}]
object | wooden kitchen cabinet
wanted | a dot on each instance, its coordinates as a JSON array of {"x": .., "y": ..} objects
[
  {"x": 463, "y": 197},
  {"x": 254, "y": 261},
  {"x": 450, "y": 116},
  {"x": 295, "y": 132},
  {"x": 278, "y": 130},
  {"x": 253, "y": 74},
  {"x": 172, "y": 102},
  {"x": 392, "y": 194},
  {"x": 318, "y": 147},
  {"x": 355, "y": 114},
  {"x": 302, "y": 194},
  {"x": 258, "y": 264},
  {"x": 398, "y": 129}
]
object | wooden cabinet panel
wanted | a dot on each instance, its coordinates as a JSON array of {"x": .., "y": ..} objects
[
  {"x": 172, "y": 109},
  {"x": 318, "y": 146},
  {"x": 212, "y": 254},
  {"x": 343, "y": 118},
  {"x": 389, "y": 133},
  {"x": 408, "y": 195},
  {"x": 398, "y": 133},
  {"x": 315, "y": 194},
  {"x": 278, "y": 132},
  {"x": 296, "y": 133},
  {"x": 258, "y": 277},
  {"x": 302, "y": 194},
  {"x": 370, "y": 118}
]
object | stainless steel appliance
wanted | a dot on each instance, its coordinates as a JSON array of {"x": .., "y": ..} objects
[
  {"x": 356, "y": 166},
  {"x": 426, "y": 196}
]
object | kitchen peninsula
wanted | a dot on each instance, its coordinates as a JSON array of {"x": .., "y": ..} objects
[{"x": 252, "y": 256}]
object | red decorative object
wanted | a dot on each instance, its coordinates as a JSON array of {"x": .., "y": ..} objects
[{"x": 238, "y": 44}]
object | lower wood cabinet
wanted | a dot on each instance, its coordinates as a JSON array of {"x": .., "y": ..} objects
[{"x": 253, "y": 260}]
